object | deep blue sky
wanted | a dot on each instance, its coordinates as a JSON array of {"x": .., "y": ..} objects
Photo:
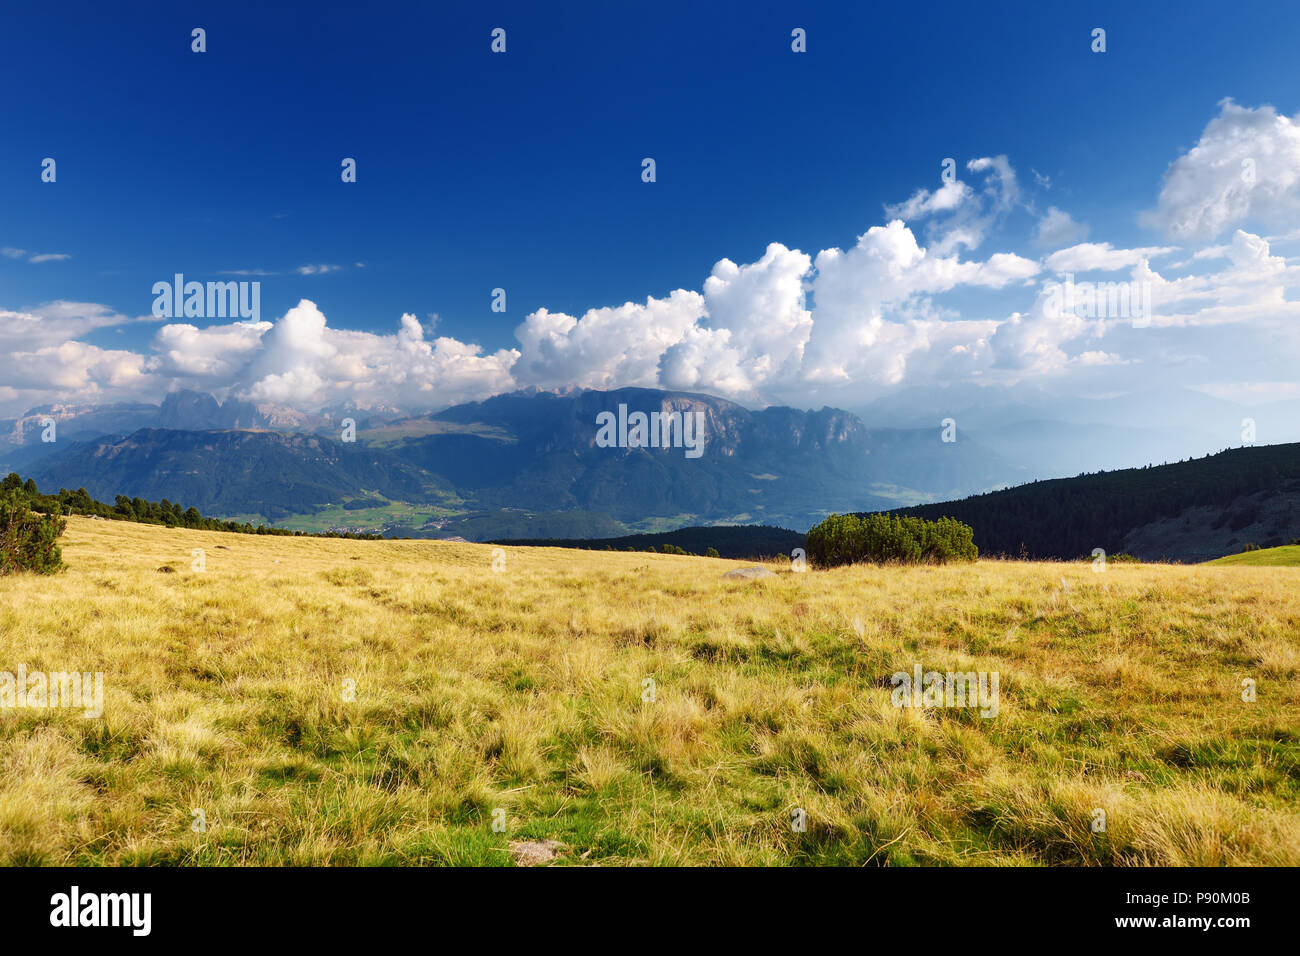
[{"x": 523, "y": 171}]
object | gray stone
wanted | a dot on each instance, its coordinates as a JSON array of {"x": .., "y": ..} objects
[
  {"x": 756, "y": 573},
  {"x": 535, "y": 852}
]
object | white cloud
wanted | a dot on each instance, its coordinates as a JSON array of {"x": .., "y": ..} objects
[
  {"x": 37, "y": 257},
  {"x": 924, "y": 203},
  {"x": 57, "y": 322},
  {"x": 1035, "y": 342},
  {"x": 871, "y": 311},
  {"x": 299, "y": 360},
  {"x": 77, "y": 371},
  {"x": 1001, "y": 269},
  {"x": 960, "y": 216},
  {"x": 46, "y": 360},
  {"x": 1002, "y": 186},
  {"x": 607, "y": 347},
  {"x": 1101, "y": 257},
  {"x": 210, "y": 356},
  {"x": 1058, "y": 228},
  {"x": 757, "y": 327},
  {"x": 1245, "y": 167},
  {"x": 841, "y": 325}
]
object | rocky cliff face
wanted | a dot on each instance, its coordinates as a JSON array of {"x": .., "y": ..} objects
[
  {"x": 194, "y": 411},
  {"x": 530, "y": 450}
]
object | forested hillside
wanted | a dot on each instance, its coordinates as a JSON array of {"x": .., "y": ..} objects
[
  {"x": 166, "y": 513},
  {"x": 1205, "y": 505},
  {"x": 748, "y": 542}
]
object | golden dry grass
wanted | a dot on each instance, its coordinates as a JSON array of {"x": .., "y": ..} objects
[{"x": 522, "y": 692}]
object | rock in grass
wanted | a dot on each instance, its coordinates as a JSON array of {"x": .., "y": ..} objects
[
  {"x": 756, "y": 573},
  {"x": 534, "y": 852}
]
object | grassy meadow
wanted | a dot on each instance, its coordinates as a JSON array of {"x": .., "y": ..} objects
[
  {"x": 518, "y": 696},
  {"x": 1288, "y": 555}
]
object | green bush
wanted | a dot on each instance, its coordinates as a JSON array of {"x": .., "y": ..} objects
[
  {"x": 28, "y": 540},
  {"x": 890, "y": 539}
]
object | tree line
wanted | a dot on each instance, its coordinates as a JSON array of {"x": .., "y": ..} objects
[
  {"x": 1066, "y": 518},
  {"x": 166, "y": 513}
]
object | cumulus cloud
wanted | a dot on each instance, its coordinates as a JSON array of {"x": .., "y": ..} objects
[
  {"x": 79, "y": 372},
  {"x": 842, "y": 324},
  {"x": 757, "y": 326},
  {"x": 606, "y": 347},
  {"x": 1057, "y": 228},
  {"x": 1036, "y": 341},
  {"x": 871, "y": 311},
  {"x": 210, "y": 356},
  {"x": 1245, "y": 167},
  {"x": 300, "y": 361}
]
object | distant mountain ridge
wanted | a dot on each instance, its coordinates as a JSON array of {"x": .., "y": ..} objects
[
  {"x": 182, "y": 410},
  {"x": 528, "y": 465},
  {"x": 527, "y": 452},
  {"x": 234, "y": 473},
  {"x": 774, "y": 466},
  {"x": 188, "y": 411}
]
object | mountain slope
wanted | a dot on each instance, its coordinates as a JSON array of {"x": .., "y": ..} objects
[
  {"x": 744, "y": 542},
  {"x": 507, "y": 460},
  {"x": 1287, "y": 556},
  {"x": 234, "y": 472},
  {"x": 1187, "y": 511},
  {"x": 779, "y": 465}
]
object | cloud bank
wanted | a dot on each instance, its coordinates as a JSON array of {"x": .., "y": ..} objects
[{"x": 912, "y": 301}]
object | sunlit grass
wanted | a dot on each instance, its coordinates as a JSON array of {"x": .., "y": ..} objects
[
  {"x": 1288, "y": 555},
  {"x": 525, "y": 691}
]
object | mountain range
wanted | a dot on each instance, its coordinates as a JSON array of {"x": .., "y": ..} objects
[
  {"x": 509, "y": 466},
  {"x": 529, "y": 464}
]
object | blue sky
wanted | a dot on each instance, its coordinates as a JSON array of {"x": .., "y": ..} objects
[{"x": 522, "y": 170}]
